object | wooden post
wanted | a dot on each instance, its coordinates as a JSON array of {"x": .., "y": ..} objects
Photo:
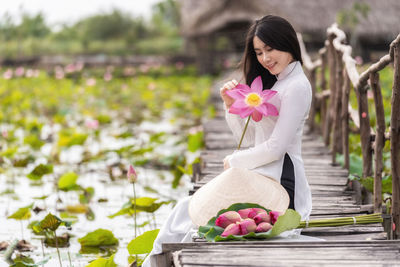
[
  {"x": 345, "y": 119},
  {"x": 311, "y": 119},
  {"x": 332, "y": 85},
  {"x": 379, "y": 140},
  {"x": 322, "y": 100},
  {"x": 395, "y": 141},
  {"x": 336, "y": 139},
  {"x": 365, "y": 129}
]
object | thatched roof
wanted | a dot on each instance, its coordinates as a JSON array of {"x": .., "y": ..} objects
[{"x": 202, "y": 17}]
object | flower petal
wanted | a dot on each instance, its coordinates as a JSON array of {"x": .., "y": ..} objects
[
  {"x": 272, "y": 110},
  {"x": 268, "y": 94},
  {"x": 243, "y": 87},
  {"x": 236, "y": 93},
  {"x": 257, "y": 116},
  {"x": 246, "y": 112},
  {"x": 263, "y": 109},
  {"x": 257, "y": 85},
  {"x": 240, "y": 104}
]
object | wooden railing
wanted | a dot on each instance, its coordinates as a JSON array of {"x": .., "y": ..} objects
[{"x": 335, "y": 112}]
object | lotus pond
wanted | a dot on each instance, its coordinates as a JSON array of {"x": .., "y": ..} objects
[{"x": 68, "y": 136}]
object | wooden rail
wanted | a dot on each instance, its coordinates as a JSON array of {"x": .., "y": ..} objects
[{"x": 336, "y": 112}]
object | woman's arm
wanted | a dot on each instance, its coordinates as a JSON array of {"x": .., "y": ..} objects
[{"x": 295, "y": 104}]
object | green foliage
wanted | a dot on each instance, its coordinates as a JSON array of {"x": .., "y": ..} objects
[
  {"x": 101, "y": 262},
  {"x": 68, "y": 181},
  {"x": 49, "y": 223},
  {"x": 39, "y": 171},
  {"x": 143, "y": 243},
  {"x": 143, "y": 204},
  {"x": 350, "y": 18},
  {"x": 99, "y": 237},
  {"x": 114, "y": 32},
  {"x": 195, "y": 141},
  {"x": 22, "y": 213}
]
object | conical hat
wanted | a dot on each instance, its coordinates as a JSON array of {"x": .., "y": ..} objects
[{"x": 232, "y": 186}]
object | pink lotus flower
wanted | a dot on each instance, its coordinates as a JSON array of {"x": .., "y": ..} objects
[
  {"x": 132, "y": 176},
  {"x": 8, "y": 74},
  {"x": 263, "y": 227},
  {"x": 247, "y": 226},
  {"x": 91, "y": 82},
  {"x": 262, "y": 217},
  {"x": 252, "y": 100},
  {"x": 274, "y": 216},
  {"x": 232, "y": 229},
  {"x": 92, "y": 124},
  {"x": 227, "y": 218},
  {"x": 250, "y": 212}
]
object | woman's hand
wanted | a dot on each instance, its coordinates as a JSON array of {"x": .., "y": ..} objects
[
  {"x": 225, "y": 97},
  {"x": 226, "y": 163}
]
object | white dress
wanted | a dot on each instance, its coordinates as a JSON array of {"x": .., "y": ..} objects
[{"x": 270, "y": 139}]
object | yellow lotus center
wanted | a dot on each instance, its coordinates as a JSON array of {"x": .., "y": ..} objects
[{"x": 253, "y": 100}]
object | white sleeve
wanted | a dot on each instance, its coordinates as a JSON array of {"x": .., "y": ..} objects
[
  {"x": 294, "y": 109},
  {"x": 237, "y": 124}
]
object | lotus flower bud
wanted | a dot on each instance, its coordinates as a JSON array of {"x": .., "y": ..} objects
[
  {"x": 262, "y": 217},
  {"x": 274, "y": 216},
  {"x": 132, "y": 175},
  {"x": 263, "y": 227},
  {"x": 227, "y": 218},
  {"x": 232, "y": 229},
  {"x": 244, "y": 213},
  {"x": 250, "y": 212},
  {"x": 247, "y": 226}
]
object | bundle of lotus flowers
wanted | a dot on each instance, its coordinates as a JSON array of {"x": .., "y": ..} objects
[{"x": 362, "y": 219}]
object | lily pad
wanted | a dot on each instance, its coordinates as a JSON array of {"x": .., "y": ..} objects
[
  {"x": 23, "y": 213},
  {"x": 99, "y": 237},
  {"x": 143, "y": 243},
  {"x": 39, "y": 171},
  {"x": 67, "y": 181}
]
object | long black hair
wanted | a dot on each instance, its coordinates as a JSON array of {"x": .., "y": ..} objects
[{"x": 277, "y": 33}]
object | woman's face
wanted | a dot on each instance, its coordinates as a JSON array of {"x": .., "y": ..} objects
[{"x": 273, "y": 60}]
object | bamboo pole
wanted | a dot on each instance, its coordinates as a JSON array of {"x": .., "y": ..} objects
[
  {"x": 336, "y": 135},
  {"x": 323, "y": 102},
  {"x": 345, "y": 119},
  {"x": 379, "y": 140},
  {"x": 395, "y": 140},
  {"x": 311, "y": 119},
  {"x": 332, "y": 85},
  {"x": 365, "y": 130}
]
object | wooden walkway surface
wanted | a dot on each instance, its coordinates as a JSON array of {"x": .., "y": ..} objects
[{"x": 357, "y": 245}]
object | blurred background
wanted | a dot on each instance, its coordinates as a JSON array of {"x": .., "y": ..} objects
[{"x": 209, "y": 33}]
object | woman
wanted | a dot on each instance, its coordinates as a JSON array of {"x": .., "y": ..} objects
[{"x": 272, "y": 52}]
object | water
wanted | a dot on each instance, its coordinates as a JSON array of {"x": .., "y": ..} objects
[{"x": 94, "y": 174}]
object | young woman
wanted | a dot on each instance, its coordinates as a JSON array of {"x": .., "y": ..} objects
[{"x": 272, "y": 52}]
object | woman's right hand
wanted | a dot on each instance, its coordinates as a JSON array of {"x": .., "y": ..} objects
[{"x": 225, "y": 97}]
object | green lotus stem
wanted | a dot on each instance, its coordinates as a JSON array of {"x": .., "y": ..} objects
[
  {"x": 244, "y": 131},
  {"x": 58, "y": 251},
  {"x": 341, "y": 221},
  {"x": 134, "y": 198}
]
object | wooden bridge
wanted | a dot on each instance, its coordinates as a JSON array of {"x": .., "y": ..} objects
[{"x": 332, "y": 193}]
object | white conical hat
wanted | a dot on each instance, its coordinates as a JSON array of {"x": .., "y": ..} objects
[{"x": 236, "y": 185}]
